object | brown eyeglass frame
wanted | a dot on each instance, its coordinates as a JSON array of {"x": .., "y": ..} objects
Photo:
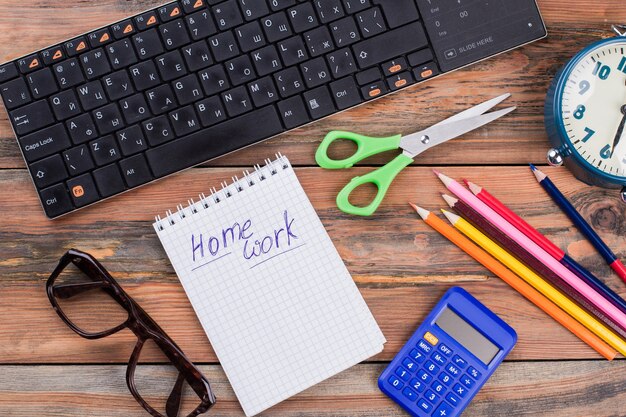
[{"x": 140, "y": 323}]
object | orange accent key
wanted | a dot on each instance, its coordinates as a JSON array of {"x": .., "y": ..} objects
[
  {"x": 395, "y": 68},
  {"x": 427, "y": 73},
  {"x": 400, "y": 83},
  {"x": 375, "y": 92},
  {"x": 152, "y": 20},
  {"x": 78, "y": 191}
]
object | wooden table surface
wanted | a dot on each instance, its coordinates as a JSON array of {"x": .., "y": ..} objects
[{"x": 401, "y": 266}]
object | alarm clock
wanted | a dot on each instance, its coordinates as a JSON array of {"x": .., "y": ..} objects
[{"x": 585, "y": 114}]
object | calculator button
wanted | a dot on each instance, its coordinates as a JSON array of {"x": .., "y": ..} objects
[
  {"x": 443, "y": 410},
  {"x": 424, "y": 347},
  {"x": 453, "y": 370},
  {"x": 410, "y": 394},
  {"x": 473, "y": 372},
  {"x": 452, "y": 399},
  {"x": 439, "y": 358},
  {"x": 431, "y": 396},
  {"x": 459, "y": 361},
  {"x": 465, "y": 380},
  {"x": 403, "y": 373},
  {"x": 431, "y": 338},
  {"x": 431, "y": 368},
  {"x": 421, "y": 374},
  {"x": 445, "y": 378},
  {"x": 417, "y": 385},
  {"x": 395, "y": 382},
  {"x": 409, "y": 364},
  {"x": 423, "y": 405},
  {"x": 445, "y": 350},
  {"x": 438, "y": 388},
  {"x": 417, "y": 356},
  {"x": 459, "y": 390}
]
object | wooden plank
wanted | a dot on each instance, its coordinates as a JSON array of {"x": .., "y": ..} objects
[
  {"x": 401, "y": 265},
  {"x": 559, "y": 389},
  {"x": 525, "y": 72}
]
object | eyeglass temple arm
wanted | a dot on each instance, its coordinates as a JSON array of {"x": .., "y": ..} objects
[
  {"x": 64, "y": 291},
  {"x": 172, "y": 406}
]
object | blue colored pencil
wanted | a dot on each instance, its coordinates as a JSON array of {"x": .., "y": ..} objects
[{"x": 582, "y": 225}]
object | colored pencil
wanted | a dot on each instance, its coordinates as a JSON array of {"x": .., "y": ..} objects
[
  {"x": 536, "y": 281},
  {"x": 510, "y": 216},
  {"x": 581, "y": 224},
  {"x": 579, "y": 285},
  {"x": 522, "y": 254},
  {"x": 517, "y": 284}
]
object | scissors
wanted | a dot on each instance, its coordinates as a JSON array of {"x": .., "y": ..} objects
[{"x": 411, "y": 146}]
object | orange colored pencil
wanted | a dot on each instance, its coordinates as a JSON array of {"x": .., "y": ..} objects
[{"x": 517, "y": 283}]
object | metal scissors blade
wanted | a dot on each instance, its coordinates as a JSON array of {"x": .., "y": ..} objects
[{"x": 453, "y": 127}]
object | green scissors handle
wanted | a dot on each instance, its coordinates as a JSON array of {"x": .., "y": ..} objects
[{"x": 366, "y": 147}]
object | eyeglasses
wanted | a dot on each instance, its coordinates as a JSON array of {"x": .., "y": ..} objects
[{"x": 80, "y": 286}]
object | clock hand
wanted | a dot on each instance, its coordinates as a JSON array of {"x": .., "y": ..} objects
[{"x": 620, "y": 130}]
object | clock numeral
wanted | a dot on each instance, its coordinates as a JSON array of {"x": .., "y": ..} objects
[
  {"x": 602, "y": 71},
  {"x": 605, "y": 153},
  {"x": 622, "y": 65},
  {"x": 589, "y": 134},
  {"x": 584, "y": 87},
  {"x": 580, "y": 112}
]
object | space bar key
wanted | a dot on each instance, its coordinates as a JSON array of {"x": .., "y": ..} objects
[{"x": 214, "y": 141}]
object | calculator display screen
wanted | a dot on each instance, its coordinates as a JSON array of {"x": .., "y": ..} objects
[{"x": 466, "y": 335}]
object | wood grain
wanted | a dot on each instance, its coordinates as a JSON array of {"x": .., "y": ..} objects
[{"x": 560, "y": 389}]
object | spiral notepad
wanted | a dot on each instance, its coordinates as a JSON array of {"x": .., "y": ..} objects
[{"x": 275, "y": 299}]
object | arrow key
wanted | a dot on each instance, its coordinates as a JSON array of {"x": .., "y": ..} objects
[{"x": 48, "y": 171}]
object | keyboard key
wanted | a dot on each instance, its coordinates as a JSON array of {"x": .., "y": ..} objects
[
  {"x": 438, "y": 388},
  {"x": 426, "y": 71},
  {"x": 169, "y": 12},
  {"x": 420, "y": 57},
  {"x": 68, "y": 73},
  {"x": 78, "y": 160},
  {"x": 467, "y": 382},
  {"x": 438, "y": 358},
  {"x": 452, "y": 399},
  {"x": 174, "y": 34},
  {"x": 83, "y": 190},
  {"x": 389, "y": 45},
  {"x": 276, "y": 27},
  {"x": 104, "y": 150},
  {"x": 341, "y": 63},
  {"x": 29, "y": 64},
  {"x": 134, "y": 109},
  {"x": 374, "y": 90},
  {"x": 452, "y": 370},
  {"x": 443, "y": 410},
  {"x": 250, "y": 36},
  {"x": 253, "y": 9},
  {"x": 48, "y": 171},
  {"x": 417, "y": 385},
  {"x": 371, "y": 22},
  {"x": 82, "y": 128},
  {"x": 158, "y": 130},
  {"x": 398, "y": 12},
  {"x": 131, "y": 140},
  {"x": 42, "y": 83},
  {"x": 410, "y": 394},
  {"x": 227, "y": 15},
  {"x": 400, "y": 81},
  {"x": 431, "y": 397},
  {"x": 65, "y": 105},
  {"x": 459, "y": 390},
  {"x": 146, "y": 20},
  {"x": 184, "y": 121},
  {"x": 394, "y": 66},
  {"x": 329, "y": 10},
  {"x": 237, "y": 101},
  {"x": 473, "y": 372},
  {"x": 214, "y": 80},
  {"x": 417, "y": 356},
  {"x": 422, "y": 375},
  {"x": 99, "y": 38},
  {"x": 289, "y": 82},
  {"x": 56, "y": 200},
  {"x": 424, "y": 406},
  {"x": 223, "y": 138},
  {"x": 201, "y": 25},
  {"x": 223, "y": 46},
  {"x": 444, "y": 349},
  {"x": 266, "y": 60},
  {"x": 319, "y": 102},
  {"x": 431, "y": 338},
  {"x": 108, "y": 119},
  {"x": 135, "y": 170},
  {"x": 281, "y": 4},
  {"x": 109, "y": 180},
  {"x": 445, "y": 378},
  {"x": 92, "y": 95},
  {"x": 458, "y": 361},
  {"x": 403, "y": 373},
  {"x": 345, "y": 93},
  {"x": 148, "y": 44},
  {"x": 171, "y": 65},
  {"x": 395, "y": 382},
  {"x": 118, "y": 85},
  {"x": 15, "y": 93},
  {"x": 53, "y": 55},
  {"x": 431, "y": 368},
  {"x": 424, "y": 347},
  {"x": 293, "y": 51},
  {"x": 197, "y": 56},
  {"x": 8, "y": 71},
  {"x": 123, "y": 29},
  {"x": 369, "y": 76},
  {"x": 187, "y": 89},
  {"x": 76, "y": 46},
  {"x": 121, "y": 54},
  {"x": 31, "y": 117},
  {"x": 263, "y": 92},
  {"x": 145, "y": 75},
  {"x": 319, "y": 41},
  {"x": 409, "y": 364},
  {"x": 293, "y": 112},
  {"x": 190, "y": 6},
  {"x": 345, "y": 32},
  {"x": 302, "y": 17},
  {"x": 240, "y": 70},
  {"x": 210, "y": 111},
  {"x": 315, "y": 72}
]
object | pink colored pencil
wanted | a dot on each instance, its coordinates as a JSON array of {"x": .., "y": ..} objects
[{"x": 579, "y": 285}]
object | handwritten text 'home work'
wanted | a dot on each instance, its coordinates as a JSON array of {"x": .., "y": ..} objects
[{"x": 210, "y": 248}]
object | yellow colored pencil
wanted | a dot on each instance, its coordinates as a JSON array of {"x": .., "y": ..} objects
[{"x": 536, "y": 281}]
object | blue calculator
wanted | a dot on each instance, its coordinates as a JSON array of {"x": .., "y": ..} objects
[{"x": 449, "y": 358}]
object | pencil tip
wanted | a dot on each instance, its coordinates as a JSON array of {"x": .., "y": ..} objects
[
  {"x": 450, "y": 200},
  {"x": 538, "y": 174},
  {"x": 452, "y": 218},
  {"x": 423, "y": 213},
  {"x": 444, "y": 179},
  {"x": 466, "y": 182},
  {"x": 476, "y": 189},
  {"x": 437, "y": 173},
  {"x": 532, "y": 167}
]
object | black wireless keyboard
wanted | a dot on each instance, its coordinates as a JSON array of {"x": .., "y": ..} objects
[{"x": 195, "y": 79}]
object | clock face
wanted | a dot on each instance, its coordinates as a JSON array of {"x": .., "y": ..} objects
[{"x": 593, "y": 108}]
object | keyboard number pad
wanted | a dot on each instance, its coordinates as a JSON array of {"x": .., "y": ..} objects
[{"x": 433, "y": 377}]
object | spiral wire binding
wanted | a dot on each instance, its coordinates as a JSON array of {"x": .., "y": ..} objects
[{"x": 216, "y": 196}]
